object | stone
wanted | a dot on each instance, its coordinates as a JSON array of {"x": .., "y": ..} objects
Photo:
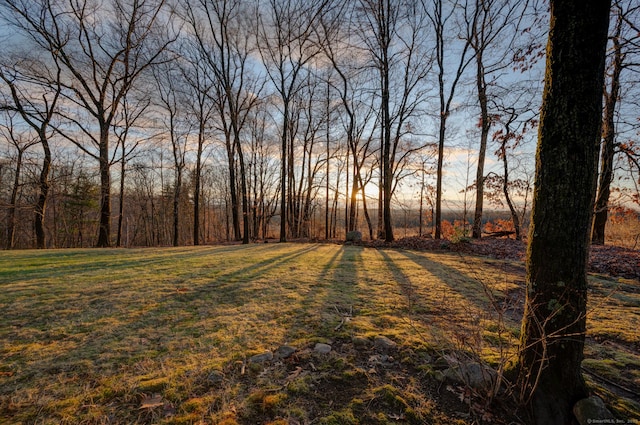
[
  {"x": 261, "y": 358},
  {"x": 360, "y": 342},
  {"x": 284, "y": 351},
  {"x": 384, "y": 343},
  {"x": 322, "y": 348},
  {"x": 354, "y": 236},
  {"x": 381, "y": 360},
  {"x": 592, "y": 410},
  {"x": 475, "y": 375}
]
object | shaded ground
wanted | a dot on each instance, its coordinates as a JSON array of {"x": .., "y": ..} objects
[
  {"x": 604, "y": 259},
  {"x": 167, "y": 336}
]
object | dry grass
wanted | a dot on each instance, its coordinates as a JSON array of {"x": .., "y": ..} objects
[{"x": 162, "y": 335}]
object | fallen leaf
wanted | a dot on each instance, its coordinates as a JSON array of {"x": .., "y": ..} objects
[
  {"x": 293, "y": 375},
  {"x": 151, "y": 402},
  {"x": 396, "y": 417}
]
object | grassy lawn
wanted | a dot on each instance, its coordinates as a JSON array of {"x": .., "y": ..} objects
[{"x": 167, "y": 335}]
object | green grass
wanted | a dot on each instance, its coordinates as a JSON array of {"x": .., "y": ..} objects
[{"x": 96, "y": 336}]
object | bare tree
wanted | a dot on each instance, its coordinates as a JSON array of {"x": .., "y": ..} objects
[
  {"x": 103, "y": 48},
  {"x": 200, "y": 92},
  {"x": 287, "y": 45},
  {"x": 490, "y": 25},
  {"x": 624, "y": 41},
  {"x": 123, "y": 126},
  {"x": 35, "y": 91},
  {"x": 21, "y": 143},
  {"x": 394, "y": 35},
  {"x": 170, "y": 100},
  {"x": 442, "y": 19},
  {"x": 221, "y": 28}
]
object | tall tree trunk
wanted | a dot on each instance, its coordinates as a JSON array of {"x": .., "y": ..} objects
[
  {"x": 353, "y": 204},
  {"x": 177, "y": 190},
  {"x": 438, "y": 213},
  {"x": 197, "y": 183},
  {"x": 283, "y": 173},
  {"x": 365, "y": 210},
  {"x": 326, "y": 194},
  {"x": 505, "y": 190},
  {"x": 104, "y": 232},
  {"x": 123, "y": 168},
  {"x": 485, "y": 125},
  {"x": 421, "y": 209},
  {"x": 11, "y": 216},
  {"x": 233, "y": 192},
  {"x": 379, "y": 224},
  {"x": 386, "y": 158},
  {"x": 554, "y": 323},
  {"x": 243, "y": 190},
  {"x": 608, "y": 147},
  {"x": 41, "y": 203},
  {"x": 346, "y": 196}
]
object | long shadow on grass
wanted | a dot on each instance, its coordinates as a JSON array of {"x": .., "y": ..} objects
[
  {"x": 403, "y": 281},
  {"x": 167, "y": 310},
  {"x": 334, "y": 295},
  {"x": 232, "y": 283},
  {"x": 457, "y": 281},
  {"x": 42, "y": 264}
]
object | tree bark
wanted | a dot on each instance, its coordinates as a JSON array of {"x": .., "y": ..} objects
[
  {"x": 505, "y": 191},
  {"x": 123, "y": 170},
  {"x": 485, "y": 124},
  {"x": 11, "y": 215},
  {"x": 104, "y": 231},
  {"x": 283, "y": 172},
  {"x": 608, "y": 147},
  {"x": 41, "y": 203},
  {"x": 233, "y": 192},
  {"x": 386, "y": 153},
  {"x": 197, "y": 183},
  {"x": 438, "y": 212},
  {"x": 554, "y": 320}
]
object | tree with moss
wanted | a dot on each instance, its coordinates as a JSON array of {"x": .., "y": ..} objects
[{"x": 554, "y": 323}]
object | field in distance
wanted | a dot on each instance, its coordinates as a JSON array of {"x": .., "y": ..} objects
[{"x": 281, "y": 334}]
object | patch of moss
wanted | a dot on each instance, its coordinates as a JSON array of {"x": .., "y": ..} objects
[
  {"x": 343, "y": 417},
  {"x": 155, "y": 385}
]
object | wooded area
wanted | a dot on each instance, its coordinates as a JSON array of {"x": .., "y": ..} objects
[{"x": 178, "y": 122}]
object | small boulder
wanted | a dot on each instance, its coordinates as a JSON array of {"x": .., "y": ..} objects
[
  {"x": 354, "y": 236},
  {"x": 475, "y": 375},
  {"x": 284, "y": 351},
  {"x": 261, "y": 358},
  {"x": 592, "y": 410},
  {"x": 360, "y": 342},
  {"x": 322, "y": 348},
  {"x": 383, "y": 343}
]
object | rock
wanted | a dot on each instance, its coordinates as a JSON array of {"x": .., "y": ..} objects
[
  {"x": 354, "y": 236},
  {"x": 475, "y": 375},
  {"x": 261, "y": 358},
  {"x": 384, "y": 343},
  {"x": 382, "y": 360},
  {"x": 284, "y": 351},
  {"x": 322, "y": 348},
  {"x": 360, "y": 342},
  {"x": 592, "y": 410}
]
